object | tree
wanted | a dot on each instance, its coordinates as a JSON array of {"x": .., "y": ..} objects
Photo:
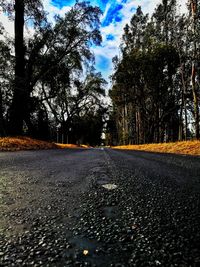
[
  {"x": 141, "y": 89},
  {"x": 69, "y": 99},
  {"x": 134, "y": 34},
  {"x": 194, "y": 10},
  {"x": 5, "y": 80},
  {"x": 144, "y": 94},
  {"x": 181, "y": 40},
  {"x": 20, "y": 96}
]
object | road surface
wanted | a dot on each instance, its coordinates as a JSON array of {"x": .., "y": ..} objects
[{"x": 99, "y": 207}]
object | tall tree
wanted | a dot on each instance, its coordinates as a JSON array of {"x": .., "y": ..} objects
[
  {"x": 194, "y": 11},
  {"x": 144, "y": 93},
  {"x": 5, "y": 79},
  {"x": 20, "y": 95}
]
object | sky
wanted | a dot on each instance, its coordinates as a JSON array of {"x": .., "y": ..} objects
[{"x": 116, "y": 13}]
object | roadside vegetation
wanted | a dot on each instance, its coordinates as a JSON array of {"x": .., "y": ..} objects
[
  {"x": 27, "y": 143},
  {"x": 185, "y": 148}
]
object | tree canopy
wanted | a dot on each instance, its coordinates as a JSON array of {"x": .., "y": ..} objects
[{"x": 155, "y": 91}]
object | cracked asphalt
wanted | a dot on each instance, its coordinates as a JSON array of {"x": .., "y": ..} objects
[{"x": 99, "y": 207}]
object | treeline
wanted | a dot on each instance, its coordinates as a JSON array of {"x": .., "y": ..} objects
[
  {"x": 48, "y": 86},
  {"x": 156, "y": 80}
]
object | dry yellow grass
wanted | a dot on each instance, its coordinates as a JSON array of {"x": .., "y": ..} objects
[
  {"x": 185, "y": 148},
  {"x": 26, "y": 143},
  {"x": 23, "y": 143},
  {"x": 70, "y": 146}
]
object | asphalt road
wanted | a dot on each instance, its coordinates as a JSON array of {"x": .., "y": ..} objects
[{"x": 99, "y": 207}]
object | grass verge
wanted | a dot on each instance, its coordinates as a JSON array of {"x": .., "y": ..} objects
[
  {"x": 70, "y": 146},
  {"x": 184, "y": 148},
  {"x": 27, "y": 143}
]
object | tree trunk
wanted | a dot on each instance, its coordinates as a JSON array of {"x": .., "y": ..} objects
[
  {"x": 183, "y": 121},
  {"x": 194, "y": 64},
  {"x": 19, "y": 103},
  {"x": 126, "y": 124},
  {"x": 137, "y": 127},
  {"x": 2, "y": 130},
  {"x": 195, "y": 99},
  {"x": 166, "y": 22},
  {"x": 180, "y": 131},
  {"x": 184, "y": 100}
]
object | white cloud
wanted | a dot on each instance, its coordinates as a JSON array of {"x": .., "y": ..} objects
[
  {"x": 182, "y": 6},
  {"x": 7, "y": 23},
  {"x": 106, "y": 11},
  {"x": 9, "y": 27},
  {"x": 53, "y": 10}
]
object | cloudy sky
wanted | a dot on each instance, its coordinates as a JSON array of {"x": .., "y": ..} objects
[{"x": 116, "y": 13}]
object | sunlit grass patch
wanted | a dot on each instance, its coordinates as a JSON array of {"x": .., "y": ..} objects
[
  {"x": 66, "y": 145},
  {"x": 186, "y": 147},
  {"x": 70, "y": 146},
  {"x": 27, "y": 143},
  {"x": 23, "y": 143}
]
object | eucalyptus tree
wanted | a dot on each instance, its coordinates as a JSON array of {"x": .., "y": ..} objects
[
  {"x": 164, "y": 18},
  {"x": 134, "y": 32},
  {"x": 194, "y": 9},
  {"x": 142, "y": 85},
  {"x": 182, "y": 44},
  {"x": 144, "y": 93}
]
